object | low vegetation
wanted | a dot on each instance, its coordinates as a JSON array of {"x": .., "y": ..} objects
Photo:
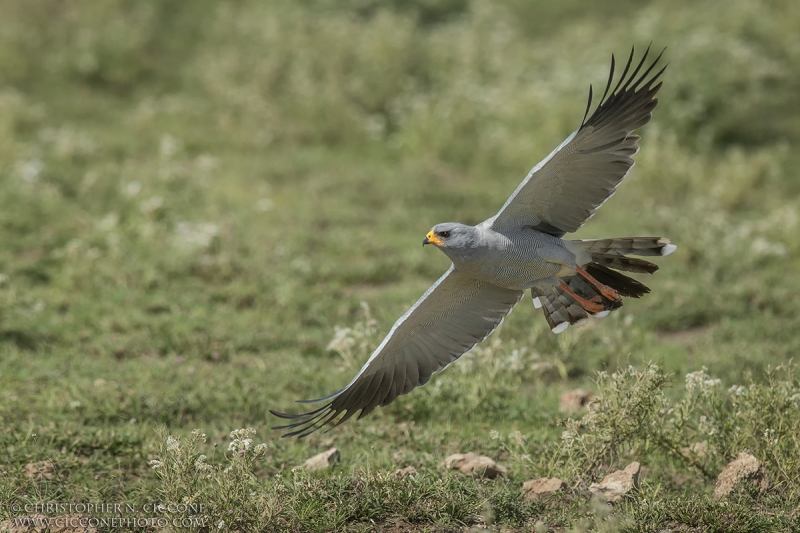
[{"x": 211, "y": 209}]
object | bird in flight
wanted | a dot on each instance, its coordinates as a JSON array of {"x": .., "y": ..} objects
[{"x": 520, "y": 248}]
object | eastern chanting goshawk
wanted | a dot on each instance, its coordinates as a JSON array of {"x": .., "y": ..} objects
[{"x": 520, "y": 248}]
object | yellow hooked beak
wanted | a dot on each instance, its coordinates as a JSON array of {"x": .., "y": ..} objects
[{"x": 432, "y": 238}]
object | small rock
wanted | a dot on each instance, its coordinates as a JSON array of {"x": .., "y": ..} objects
[
  {"x": 617, "y": 484},
  {"x": 476, "y": 465},
  {"x": 535, "y": 488},
  {"x": 575, "y": 399},
  {"x": 408, "y": 471},
  {"x": 322, "y": 460},
  {"x": 39, "y": 471},
  {"x": 744, "y": 468}
]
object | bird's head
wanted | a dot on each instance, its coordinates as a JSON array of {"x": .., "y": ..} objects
[{"x": 450, "y": 236}]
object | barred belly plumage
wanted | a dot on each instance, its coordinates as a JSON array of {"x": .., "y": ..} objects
[{"x": 516, "y": 260}]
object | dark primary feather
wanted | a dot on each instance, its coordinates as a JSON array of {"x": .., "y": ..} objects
[
  {"x": 455, "y": 314},
  {"x": 564, "y": 190},
  {"x": 631, "y": 91}
]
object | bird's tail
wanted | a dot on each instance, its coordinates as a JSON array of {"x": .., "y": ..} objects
[{"x": 586, "y": 293}]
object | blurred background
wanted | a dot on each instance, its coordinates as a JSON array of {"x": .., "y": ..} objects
[{"x": 194, "y": 195}]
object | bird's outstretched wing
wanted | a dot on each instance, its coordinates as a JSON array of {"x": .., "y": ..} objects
[
  {"x": 563, "y": 191},
  {"x": 454, "y": 315}
]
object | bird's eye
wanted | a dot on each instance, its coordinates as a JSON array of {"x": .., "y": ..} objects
[{"x": 444, "y": 234}]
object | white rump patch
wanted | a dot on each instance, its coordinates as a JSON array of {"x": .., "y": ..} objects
[
  {"x": 537, "y": 303},
  {"x": 560, "y": 327},
  {"x": 601, "y": 314},
  {"x": 668, "y": 247},
  {"x": 580, "y": 323}
]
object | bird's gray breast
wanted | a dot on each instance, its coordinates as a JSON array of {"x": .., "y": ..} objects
[{"x": 514, "y": 259}]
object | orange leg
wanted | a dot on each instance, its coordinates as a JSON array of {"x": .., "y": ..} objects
[
  {"x": 604, "y": 289},
  {"x": 593, "y": 306}
]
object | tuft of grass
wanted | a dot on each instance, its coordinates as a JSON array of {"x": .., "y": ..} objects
[
  {"x": 224, "y": 497},
  {"x": 634, "y": 416}
]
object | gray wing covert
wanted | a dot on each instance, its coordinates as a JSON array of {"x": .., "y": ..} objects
[
  {"x": 453, "y": 315},
  {"x": 565, "y": 189}
]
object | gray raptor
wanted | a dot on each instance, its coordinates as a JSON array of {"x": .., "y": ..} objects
[{"x": 520, "y": 248}]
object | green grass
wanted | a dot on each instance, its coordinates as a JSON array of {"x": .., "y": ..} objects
[{"x": 193, "y": 195}]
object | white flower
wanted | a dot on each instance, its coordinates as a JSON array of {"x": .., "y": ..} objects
[
  {"x": 704, "y": 425},
  {"x": 494, "y": 435},
  {"x": 351, "y": 343},
  {"x": 240, "y": 439},
  {"x": 242, "y": 433},
  {"x": 342, "y": 340},
  {"x": 155, "y": 464},
  {"x": 200, "y": 464},
  {"x": 701, "y": 382},
  {"x": 200, "y": 435},
  {"x": 517, "y": 436},
  {"x": 173, "y": 444},
  {"x": 737, "y": 390},
  {"x": 221, "y": 524},
  {"x": 240, "y": 445}
]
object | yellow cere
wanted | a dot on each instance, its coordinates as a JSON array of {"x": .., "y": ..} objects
[{"x": 434, "y": 239}]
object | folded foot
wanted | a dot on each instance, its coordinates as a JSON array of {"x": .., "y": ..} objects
[
  {"x": 604, "y": 289},
  {"x": 593, "y": 305}
]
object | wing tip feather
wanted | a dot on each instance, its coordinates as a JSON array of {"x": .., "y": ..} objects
[{"x": 628, "y": 84}]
